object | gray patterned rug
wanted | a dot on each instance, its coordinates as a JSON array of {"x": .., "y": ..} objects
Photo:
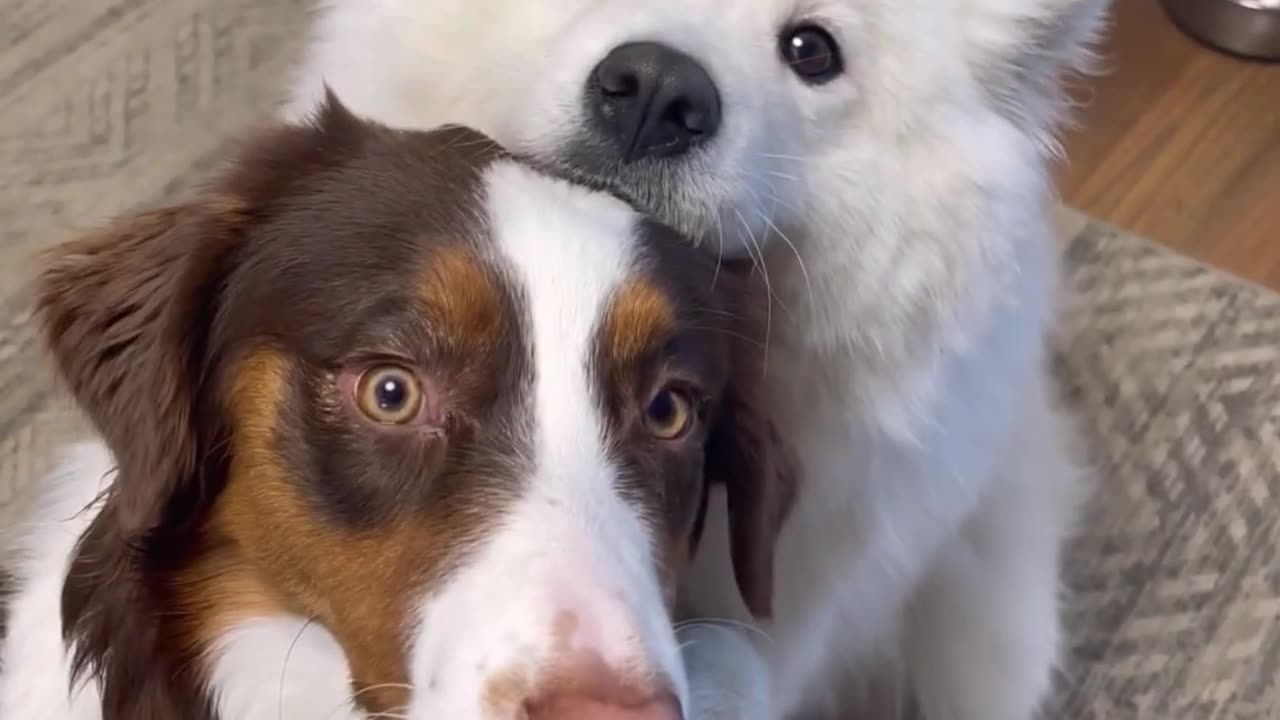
[{"x": 1174, "y": 587}]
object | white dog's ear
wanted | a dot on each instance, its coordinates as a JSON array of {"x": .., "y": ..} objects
[{"x": 1022, "y": 50}]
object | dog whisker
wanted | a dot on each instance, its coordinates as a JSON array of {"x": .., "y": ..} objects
[
  {"x": 400, "y": 712},
  {"x": 777, "y": 156},
  {"x": 784, "y": 176},
  {"x": 776, "y": 199},
  {"x": 284, "y": 667},
  {"x": 723, "y": 624},
  {"x": 729, "y": 333},
  {"x": 717, "y": 312},
  {"x": 719, "y": 251},
  {"x": 382, "y": 686},
  {"x": 804, "y": 270},
  {"x": 757, "y": 256}
]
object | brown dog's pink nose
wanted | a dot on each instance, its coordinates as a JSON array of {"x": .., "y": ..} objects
[{"x": 579, "y": 707}]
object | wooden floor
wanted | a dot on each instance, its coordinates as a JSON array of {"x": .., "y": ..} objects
[{"x": 1181, "y": 144}]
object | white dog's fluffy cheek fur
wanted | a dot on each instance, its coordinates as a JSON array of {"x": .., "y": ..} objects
[{"x": 901, "y": 229}]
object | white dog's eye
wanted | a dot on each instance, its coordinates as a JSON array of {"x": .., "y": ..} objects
[{"x": 811, "y": 53}]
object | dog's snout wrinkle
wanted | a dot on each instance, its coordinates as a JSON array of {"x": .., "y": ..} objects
[{"x": 652, "y": 100}]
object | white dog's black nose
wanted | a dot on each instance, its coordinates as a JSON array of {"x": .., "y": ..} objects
[{"x": 653, "y": 101}]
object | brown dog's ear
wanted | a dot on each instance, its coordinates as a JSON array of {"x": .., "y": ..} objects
[
  {"x": 744, "y": 452},
  {"x": 124, "y": 312},
  {"x": 745, "y": 455}
]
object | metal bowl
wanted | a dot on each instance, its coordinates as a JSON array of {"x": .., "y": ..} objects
[{"x": 1248, "y": 28}]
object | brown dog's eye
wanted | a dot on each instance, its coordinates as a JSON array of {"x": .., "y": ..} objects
[
  {"x": 669, "y": 414},
  {"x": 389, "y": 394}
]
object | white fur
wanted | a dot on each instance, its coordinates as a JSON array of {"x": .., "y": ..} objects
[
  {"x": 34, "y": 669},
  {"x": 571, "y": 544},
  {"x": 903, "y": 213}
]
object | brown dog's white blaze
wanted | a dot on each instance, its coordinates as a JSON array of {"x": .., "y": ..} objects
[
  {"x": 510, "y": 544},
  {"x": 563, "y": 601}
]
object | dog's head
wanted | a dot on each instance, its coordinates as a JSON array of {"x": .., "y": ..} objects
[{"x": 454, "y": 412}]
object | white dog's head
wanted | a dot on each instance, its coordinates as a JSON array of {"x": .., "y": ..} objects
[{"x": 896, "y": 150}]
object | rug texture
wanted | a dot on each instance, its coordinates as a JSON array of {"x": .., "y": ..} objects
[{"x": 1174, "y": 584}]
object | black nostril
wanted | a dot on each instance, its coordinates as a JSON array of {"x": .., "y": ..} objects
[
  {"x": 618, "y": 83},
  {"x": 653, "y": 101},
  {"x": 683, "y": 112}
]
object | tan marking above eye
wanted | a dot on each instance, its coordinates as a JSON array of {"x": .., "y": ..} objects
[
  {"x": 464, "y": 300},
  {"x": 640, "y": 317},
  {"x": 669, "y": 414},
  {"x": 389, "y": 394}
]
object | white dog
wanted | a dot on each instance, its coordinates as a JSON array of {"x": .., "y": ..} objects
[{"x": 887, "y": 161}]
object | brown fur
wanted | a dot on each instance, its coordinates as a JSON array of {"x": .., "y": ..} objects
[
  {"x": 462, "y": 294},
  {"x": 120, "y": 309},
  {"x": 639, "y": 319}
]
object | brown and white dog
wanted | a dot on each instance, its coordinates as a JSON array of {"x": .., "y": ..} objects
[{"x": 392, "y": 425}]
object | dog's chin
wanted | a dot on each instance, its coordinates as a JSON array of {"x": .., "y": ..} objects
[{"x": 683, "y": 193}]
